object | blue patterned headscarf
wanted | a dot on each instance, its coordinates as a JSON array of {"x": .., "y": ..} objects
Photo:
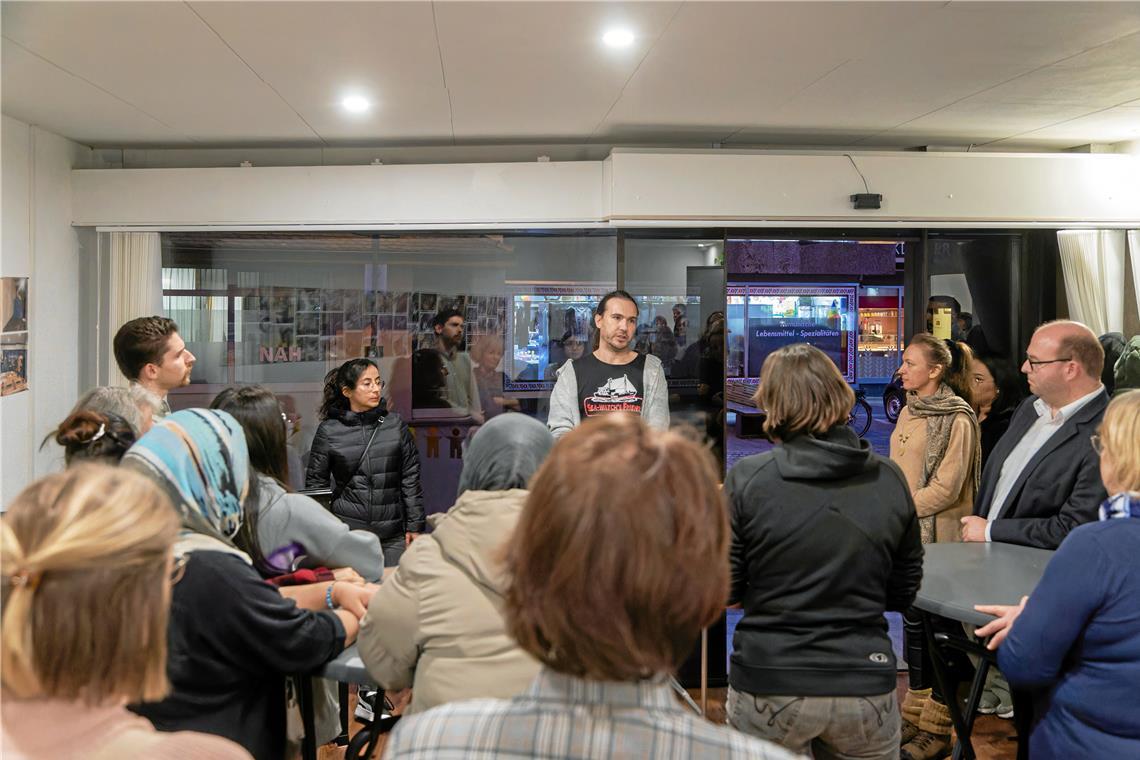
[{"x": 200, "y": 457}]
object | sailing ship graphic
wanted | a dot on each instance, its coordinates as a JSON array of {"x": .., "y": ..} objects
[{"x": 616, "y": 390}]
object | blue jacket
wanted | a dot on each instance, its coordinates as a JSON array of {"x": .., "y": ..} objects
[{"x": 1078, "y": 641}]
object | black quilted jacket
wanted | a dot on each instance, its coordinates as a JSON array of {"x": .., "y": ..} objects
[{"x": 382, "y": 494}]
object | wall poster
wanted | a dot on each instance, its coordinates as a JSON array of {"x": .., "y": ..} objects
[{"x": 13, "y": 335}]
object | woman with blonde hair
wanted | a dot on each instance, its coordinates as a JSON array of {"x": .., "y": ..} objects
[
  {"x": 1076, "y": 640},
  {"x": 937, "y": 444},
  {"x": 825, "y": 540},
  {"x": 87, "y": 569}
]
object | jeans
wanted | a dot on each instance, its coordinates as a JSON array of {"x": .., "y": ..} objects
[
  {"x": 822, "y": 727},
  {"x": 393, "y": 549}
]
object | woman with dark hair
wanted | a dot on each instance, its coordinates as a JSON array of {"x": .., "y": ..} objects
[
  {"x": 292, "y": 523},
  {"x": 91, "y": 436},
  {"x": 997, "y": 392},
  {"x": 233, "y": 638},
  {"x": 937, "y": 444},
  {"x": 368, "y": 457}
]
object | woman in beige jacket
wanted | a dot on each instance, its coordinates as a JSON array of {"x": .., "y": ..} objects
[
  {"x": 937, "y": 444},
  {"x": 436, "y": 625}
]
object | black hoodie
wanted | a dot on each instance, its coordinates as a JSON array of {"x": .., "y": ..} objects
[{"x": 824, "y": 541}]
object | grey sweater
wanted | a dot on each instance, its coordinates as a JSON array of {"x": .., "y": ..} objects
[
  {"x": 565, "y": 414},
  {"x": 287, "y": 517}
]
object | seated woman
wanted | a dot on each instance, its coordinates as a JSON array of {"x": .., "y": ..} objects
[
  {"x": 437, "y": 624},
  {"x": 104, "y": 423},
  {"x": 825, "y": 540},
  {"x": 87, "y": 568},
  {"x": 1076, "y": 640},
  {"x": 619, "y": 559},
  {"x": 285, "y": 518},
  {"x": 233, "y": 638}
]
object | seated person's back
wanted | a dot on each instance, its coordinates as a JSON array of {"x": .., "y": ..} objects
[{"x": 618, "y": 561}]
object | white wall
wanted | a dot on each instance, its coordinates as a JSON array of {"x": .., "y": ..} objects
[
  {"x": 39, "y": 242},
  {"x": 629, "y": 188}
]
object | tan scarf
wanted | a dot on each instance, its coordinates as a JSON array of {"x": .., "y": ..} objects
[{"x": 938, "y": 410}]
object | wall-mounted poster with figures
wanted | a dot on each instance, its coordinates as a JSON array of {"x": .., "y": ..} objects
[{"x": 14, "y": 337}]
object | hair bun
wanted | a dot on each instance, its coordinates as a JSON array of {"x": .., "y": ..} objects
[{"x": 80, "y": 428}]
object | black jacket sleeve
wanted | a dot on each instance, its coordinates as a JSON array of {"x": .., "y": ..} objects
[
  {"x": 906, "y": 568},
  {"x": 410, "y": 485},
  {"x": 317, "y": 474},
  {"x": 250, "y": 624},
  {"x": 737, "y": 563}
]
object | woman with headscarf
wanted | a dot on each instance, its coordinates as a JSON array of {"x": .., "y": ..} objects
[
  {"x": 232, "y": 638},
  {"x": 437, "y": 624}
]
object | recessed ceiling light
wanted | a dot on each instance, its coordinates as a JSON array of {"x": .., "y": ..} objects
[
  {"x": 618, "y": 38},
  {"x": 356, "y": 104}
]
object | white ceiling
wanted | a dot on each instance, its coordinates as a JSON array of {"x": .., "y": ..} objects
[{"x": 1012, "y": 75}]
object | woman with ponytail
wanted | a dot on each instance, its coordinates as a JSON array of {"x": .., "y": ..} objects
[
  {"x": 87, "y": 572},
  {"x": 937, "y": 444},
  {"x": 367, "y": 456}
]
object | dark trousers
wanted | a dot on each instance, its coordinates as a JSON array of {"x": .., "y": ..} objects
[
  {"x": 919, "y": 666},
  {"x": 393, "y": 549}
]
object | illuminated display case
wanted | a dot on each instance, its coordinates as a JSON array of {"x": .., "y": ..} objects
[
  {"x": 762, "y": 318},
  {"x": 880, "y": 333}
]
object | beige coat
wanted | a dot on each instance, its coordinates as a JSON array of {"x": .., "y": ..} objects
[
  {"x": 947, "y": 496},
  {"x": 436, "y": 625}
]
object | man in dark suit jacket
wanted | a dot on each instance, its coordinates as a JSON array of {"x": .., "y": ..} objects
[{"x": 1043, "y": 477}]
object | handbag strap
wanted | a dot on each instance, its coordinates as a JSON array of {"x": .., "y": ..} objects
[{"x": 356, "y": 469}]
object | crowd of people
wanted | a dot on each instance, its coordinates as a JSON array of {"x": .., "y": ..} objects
[{"x": 161, "y": 591}]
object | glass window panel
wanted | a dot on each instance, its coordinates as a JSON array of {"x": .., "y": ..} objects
[{"x": 437, "y": 313}]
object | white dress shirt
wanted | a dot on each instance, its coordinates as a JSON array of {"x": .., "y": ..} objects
[{"x": 1045, "y": 426}]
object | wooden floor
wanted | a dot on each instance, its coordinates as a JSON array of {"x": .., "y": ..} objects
[{"x": 993, "y": 738}]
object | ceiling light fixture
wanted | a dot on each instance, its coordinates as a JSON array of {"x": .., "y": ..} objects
[
  {"x": 618, "y": 38},
  {"x": 356, "y": 104}
]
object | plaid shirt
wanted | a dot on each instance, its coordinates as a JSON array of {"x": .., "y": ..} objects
[{"x": 560, "y": 716}]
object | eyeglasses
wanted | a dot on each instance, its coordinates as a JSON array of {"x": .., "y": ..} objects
[
  {"x": 1097, "y": 443},
  {"x": 1034, "y": 364},
  {"x": 178, "y": 568}
]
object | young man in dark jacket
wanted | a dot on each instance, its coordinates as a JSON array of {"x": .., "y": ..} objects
[{"x": 825, "y": 540}]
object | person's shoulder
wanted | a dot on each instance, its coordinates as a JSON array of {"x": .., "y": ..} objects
[
  {"x": 191, "y": 745},
  {"x": 449, "y": 725},
  {"x": 748, "y": 468}
]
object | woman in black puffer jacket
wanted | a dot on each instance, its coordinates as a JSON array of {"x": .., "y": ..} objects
[{"x": 367, "y": 456}]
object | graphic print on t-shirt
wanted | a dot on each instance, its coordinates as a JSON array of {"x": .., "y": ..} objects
[{"x": 605, "y": 388}]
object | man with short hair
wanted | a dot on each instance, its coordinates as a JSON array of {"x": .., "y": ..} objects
[
  {"x": 614, "y": 378},
  {"x": 462, "y": 392},
  {"x": 1041, "y": 480},
  {"x": 1043, "y": 477},
  {"x": 151, "y": 354}
]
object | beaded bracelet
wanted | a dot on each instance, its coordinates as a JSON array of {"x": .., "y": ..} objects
[{"x": 328, "y": 596}]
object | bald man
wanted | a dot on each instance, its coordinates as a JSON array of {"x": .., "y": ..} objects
[{"x": 1043, "y": 477}]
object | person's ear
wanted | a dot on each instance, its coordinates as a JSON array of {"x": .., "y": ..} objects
[
  {"x": 149, "y": 371},
  {"x": 598, "y": 321},
  {"x": 345, "y": 392}
]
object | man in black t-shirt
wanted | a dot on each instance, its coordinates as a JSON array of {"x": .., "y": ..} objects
[{"x": 614, "y": 378}]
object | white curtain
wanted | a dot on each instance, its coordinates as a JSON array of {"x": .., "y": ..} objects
[
  {"x": 1093, "y": 264},
  {"x": 1134, "y": 254},
  {"x": 136, "y": 285}
]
